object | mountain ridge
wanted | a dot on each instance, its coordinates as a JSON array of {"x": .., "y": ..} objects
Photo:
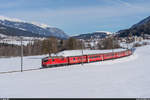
[
  {"x": 97, "y": 34},
  {"x": 142, "y": 28},
  {"x": 147, "y": 19},
  {"x": 34, "y": 27},
  {"x": 9, "y": 31}
]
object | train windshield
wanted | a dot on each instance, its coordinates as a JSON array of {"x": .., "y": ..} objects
[{"x": 45, "y": 59}]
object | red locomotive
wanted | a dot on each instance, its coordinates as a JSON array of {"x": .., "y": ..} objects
[{"x": 59, "y": 61}]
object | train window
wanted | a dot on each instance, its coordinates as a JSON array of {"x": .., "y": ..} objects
[
  {"x": 46, "y": 60},
  {"x": 62, "y": 59},
  {"x": 53, "y": 59},
  {"x": 74, "y": 59}
]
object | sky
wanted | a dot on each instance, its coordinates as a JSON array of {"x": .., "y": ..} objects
[{"x": 78, "y": 16}]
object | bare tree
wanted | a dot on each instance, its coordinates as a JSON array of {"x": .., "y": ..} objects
[
  {"x": 50, "y": 45},
  {"x": 73, "y": 44}
]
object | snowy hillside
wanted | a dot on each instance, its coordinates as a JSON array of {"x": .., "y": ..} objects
[
  {"x": 33, "y": 27},
  {"x": 121, "y": 78}
]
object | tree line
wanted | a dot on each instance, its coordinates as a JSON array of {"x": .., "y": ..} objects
[
  {"x": 53, "y": 45},
  {"x": 39, "y": 47}
]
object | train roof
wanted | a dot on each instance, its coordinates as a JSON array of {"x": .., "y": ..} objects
[
  {"x": 53, "y": 57},
  {"x": 68, "y": 53}
]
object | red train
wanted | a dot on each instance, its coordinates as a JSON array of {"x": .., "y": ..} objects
[{"x": 59, "y": 61}]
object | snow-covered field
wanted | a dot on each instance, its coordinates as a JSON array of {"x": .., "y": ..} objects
[
  {"x": 121, "y": 78},
  {"x": 14, "y": 63}
]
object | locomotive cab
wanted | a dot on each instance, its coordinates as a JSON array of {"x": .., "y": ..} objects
[
  {"x": 44, "y": 61},
  {"x": 54, "y": 61}
]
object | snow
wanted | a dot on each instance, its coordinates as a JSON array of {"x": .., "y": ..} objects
[
  {"x": 105, "y": 32},
  {"x": 41, "y": 25},
  {"x": 17, "y": 42},
  {"x": 130, "y": 45},
  {"x": 120, "y": 78},
  {"x": 2, "y": 35},
  {"x": 10, "y": 19},
  {"x": 22, "y": 29},
  {"x": 18, "y": 20},
  {"x": 13, "y": 63},
  {"x": 16, "y": 39}
]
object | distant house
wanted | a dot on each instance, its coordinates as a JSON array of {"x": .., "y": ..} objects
[{"x": 137, "y": 38}]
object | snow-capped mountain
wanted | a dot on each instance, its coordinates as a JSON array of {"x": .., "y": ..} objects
[
  {"x": 35, "y": 28},
  {"x": 10, "y": 31},
  {"x": 94, "y": 35}
]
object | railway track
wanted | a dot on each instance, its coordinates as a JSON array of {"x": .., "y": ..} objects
[
  {"x": 20, "y": 70},
  {"x": 15, "y": 71}
]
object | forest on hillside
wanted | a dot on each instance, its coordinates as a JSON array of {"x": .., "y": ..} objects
[{"x": 140, "y": 30}]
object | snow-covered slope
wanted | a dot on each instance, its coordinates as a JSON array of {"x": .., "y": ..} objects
[
  {"x": 121, "y": 78},
  {"x": 10, "y": 19},
  {"x": 34, "y": 27}
]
